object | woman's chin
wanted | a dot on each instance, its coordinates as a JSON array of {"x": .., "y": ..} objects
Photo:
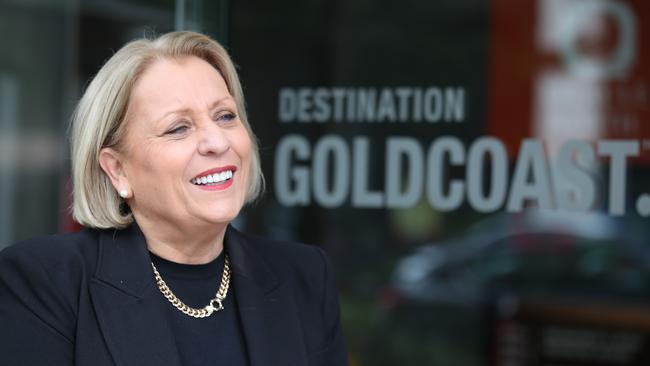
[{"x": 219, "y": 216}]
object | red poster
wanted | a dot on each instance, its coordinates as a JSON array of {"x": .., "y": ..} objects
[{"x": 570, "y": 69}]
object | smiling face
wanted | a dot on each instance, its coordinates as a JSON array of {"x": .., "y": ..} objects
[{"x": 185, "y": 156}]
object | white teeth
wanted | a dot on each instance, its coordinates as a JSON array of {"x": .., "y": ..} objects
[{"x": 213, "y": 178}]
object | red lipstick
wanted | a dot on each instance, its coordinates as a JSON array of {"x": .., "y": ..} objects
[{"x": 216, "y": 186}]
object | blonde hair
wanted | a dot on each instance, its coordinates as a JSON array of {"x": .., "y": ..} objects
[{"x": 99, "y": 121}]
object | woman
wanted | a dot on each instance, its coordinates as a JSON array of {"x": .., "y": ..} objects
[{"x": 163, "y": 159}]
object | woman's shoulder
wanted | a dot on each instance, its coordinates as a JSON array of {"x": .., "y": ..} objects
[
  {"x": 42, "y": 280},
  {"x": 67, "y": 250},
  {"x": 286, "y": 250},
  {"x": 295, "y": 260}
]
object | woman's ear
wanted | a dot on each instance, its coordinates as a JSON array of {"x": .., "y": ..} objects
[{"x": 111, "y": 162}]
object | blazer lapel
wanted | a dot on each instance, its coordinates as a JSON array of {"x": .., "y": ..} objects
[
  {"x": 268, "y": 315},
  {"x": 127, "y": 303}
]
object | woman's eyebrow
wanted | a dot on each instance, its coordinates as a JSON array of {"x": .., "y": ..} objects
[
  {"x": 175, "y": 111},
  {"x": 221, "y": 101},
  {"x": 214, "y": 104}
]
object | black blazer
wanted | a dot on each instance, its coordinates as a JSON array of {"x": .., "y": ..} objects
[{"x": 89, "y": 298}]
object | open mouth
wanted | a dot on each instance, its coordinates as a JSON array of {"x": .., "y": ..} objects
[{"x": 214, "y": 178}]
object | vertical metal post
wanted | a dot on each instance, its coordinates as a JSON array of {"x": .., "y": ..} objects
[
  {"x": 8, "y": 146},
  {"x": 179, "y": 15}
]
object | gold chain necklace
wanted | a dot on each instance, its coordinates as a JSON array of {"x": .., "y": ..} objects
[{"x": 214, "y": 305}]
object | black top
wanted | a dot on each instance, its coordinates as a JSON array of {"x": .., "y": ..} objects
[{"x": 215, "y": 340}]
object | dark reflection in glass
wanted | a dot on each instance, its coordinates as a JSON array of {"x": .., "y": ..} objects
[{"x": 500, "y": 166}]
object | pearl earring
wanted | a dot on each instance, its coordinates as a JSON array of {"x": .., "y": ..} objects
[{"x": 124, "y": 193}]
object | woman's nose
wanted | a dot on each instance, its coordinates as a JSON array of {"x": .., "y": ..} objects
[{"x": 212, "y": 139}]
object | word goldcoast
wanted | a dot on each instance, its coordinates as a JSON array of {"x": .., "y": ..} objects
[
  {"x": 333, "y": 172},
  {"x": 354, "y": 105}
]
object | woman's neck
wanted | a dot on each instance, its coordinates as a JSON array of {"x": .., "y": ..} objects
[{"x": 189, "y": 246}]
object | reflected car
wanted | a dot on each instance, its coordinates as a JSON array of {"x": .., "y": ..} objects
[{"x": 532, "y": 253}]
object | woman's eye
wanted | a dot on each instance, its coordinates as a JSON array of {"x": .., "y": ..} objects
[
  {"x": 226, "y": 117},
  {"x": 176, "y": 130}
]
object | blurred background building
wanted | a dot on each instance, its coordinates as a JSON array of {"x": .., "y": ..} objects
[{"x": 477, "y": 170}]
